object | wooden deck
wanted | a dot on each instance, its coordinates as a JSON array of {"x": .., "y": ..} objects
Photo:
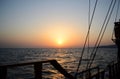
[{"x": 92, "y": 73}]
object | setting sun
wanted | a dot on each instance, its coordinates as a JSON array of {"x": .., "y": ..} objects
[{"x": 60, "y": 41}]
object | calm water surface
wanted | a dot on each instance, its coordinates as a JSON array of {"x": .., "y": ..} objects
[{"x": 68, "y": 58}]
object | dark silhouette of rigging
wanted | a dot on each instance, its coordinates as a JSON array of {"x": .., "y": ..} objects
[{"x": 117, "y": 37}]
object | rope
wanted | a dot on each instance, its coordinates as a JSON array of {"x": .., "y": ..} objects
[
  {"x": 86, "y": 38},
  {"x": 99, "y": 34},
  {"x": 103, "y": 33},
  {"x": 117, "y": 10},
  {"x": 88, "y": 48}
]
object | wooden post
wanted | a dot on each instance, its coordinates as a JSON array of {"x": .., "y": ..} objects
[
  {"x": 82, "y": 75},
  {"x": 38, "y": 70},
  {"x": 98, "y": 73},
  {"x": 88, "y": 74},
  {"x": 113, "y": 71},
  {"x": 102, "y": 74},
  {"x": 3, "y": 72},
  {"x": 116, "y": 71},
  {"x": 110, "y": 72}
]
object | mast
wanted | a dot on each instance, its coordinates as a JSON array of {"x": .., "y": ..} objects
[{"x": 117, "y": 38}]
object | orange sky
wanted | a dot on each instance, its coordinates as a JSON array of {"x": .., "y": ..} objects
[{"x": 51, "y": 23}]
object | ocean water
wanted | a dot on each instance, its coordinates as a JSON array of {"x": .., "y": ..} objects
[{"x": 67, "y": 57}]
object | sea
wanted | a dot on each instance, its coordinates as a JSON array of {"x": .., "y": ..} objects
[{"x": 68, "y": 58}]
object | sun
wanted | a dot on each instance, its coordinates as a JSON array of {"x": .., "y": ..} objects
[{"x": 59, "y": 41}]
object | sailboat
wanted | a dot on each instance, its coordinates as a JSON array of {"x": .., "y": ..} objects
[{"x": 90, "y": 72}]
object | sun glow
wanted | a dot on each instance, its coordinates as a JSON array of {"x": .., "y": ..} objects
[
  {"x": 60, "y": 41},
  {"x": 58, "y": 35}
]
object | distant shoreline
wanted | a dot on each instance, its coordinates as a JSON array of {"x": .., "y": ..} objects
[{"x": 108, "y": 46}]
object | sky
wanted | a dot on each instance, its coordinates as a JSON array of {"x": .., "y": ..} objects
[{"x": 52, "y": 23}]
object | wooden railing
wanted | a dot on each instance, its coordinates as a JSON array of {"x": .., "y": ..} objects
[
  {"x": 37, "y": 69},
  {"x": 92, "y": 73},
  {"x": 114, "y": 70}
]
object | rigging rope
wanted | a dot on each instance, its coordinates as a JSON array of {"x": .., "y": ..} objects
[
  {"x": 86, "y": 38},
  {"x": 102, "y": 33},
  {"x": 117, "y": 10},
  {"x": 88, "y": 47},
  {"x": 99, "y": 34}
]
